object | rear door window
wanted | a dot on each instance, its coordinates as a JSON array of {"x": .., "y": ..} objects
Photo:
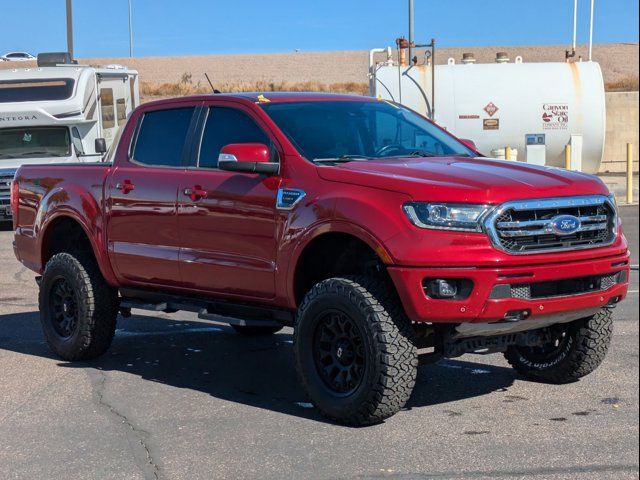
[
  {"x": 161, "y": 137},
  {"x": 223, "y": 127}
]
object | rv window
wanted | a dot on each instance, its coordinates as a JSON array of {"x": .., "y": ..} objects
[
  {"x": 121, "y": 110},
  {"x": 161, "y": 137},
  {"x": 132, "y": 91},
  {"x": 113, "y": 148},
  {"x": 77, "y": 141},
  {"x": 35, "y": 90},
  {"x": 106, "y": 107},
  {"x": 34, "y": 142}
]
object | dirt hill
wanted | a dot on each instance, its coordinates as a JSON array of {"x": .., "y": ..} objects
[{"x": 341, "y": 70}]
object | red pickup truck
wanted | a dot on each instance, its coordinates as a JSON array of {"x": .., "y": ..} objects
[{"x": 370, "y": 230}]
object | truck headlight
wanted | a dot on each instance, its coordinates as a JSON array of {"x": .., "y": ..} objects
[
  {"x": 613, "y": 201},
  {"x": 447, "y": 216}
]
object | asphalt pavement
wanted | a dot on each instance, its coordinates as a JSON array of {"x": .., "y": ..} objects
[{"x": 178, "y": 398}]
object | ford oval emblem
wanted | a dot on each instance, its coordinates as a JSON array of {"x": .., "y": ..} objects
[{"x": 565, "y": 224}]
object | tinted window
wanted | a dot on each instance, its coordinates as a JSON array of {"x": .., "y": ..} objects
[
  {"x": 225, "y": 126},
  {"x": 35, "y": 90},
  {"x": 330, "y": 130},
  {"x": 161, "y": 137}
]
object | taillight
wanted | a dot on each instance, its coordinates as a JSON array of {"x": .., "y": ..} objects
[{"x": 15, "y": 189}]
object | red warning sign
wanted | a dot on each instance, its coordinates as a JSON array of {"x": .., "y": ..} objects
[{"x": 491, "y": 109}]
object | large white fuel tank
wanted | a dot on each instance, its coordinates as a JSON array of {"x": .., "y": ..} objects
[{"x": 543, "y": 105}]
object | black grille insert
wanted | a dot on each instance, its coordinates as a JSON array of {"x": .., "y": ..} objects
[
  {"x": 527, "y": 227},
  {"x": 5, "y": 185},
  {"x": 563, "y": 288}
]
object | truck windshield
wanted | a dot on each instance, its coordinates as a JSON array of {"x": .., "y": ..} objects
[
  {"x": 354, "y": 130},
  {"x": 34, "y": 142}
]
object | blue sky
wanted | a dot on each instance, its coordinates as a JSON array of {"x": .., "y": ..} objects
[{"x": 170, "y": 27}]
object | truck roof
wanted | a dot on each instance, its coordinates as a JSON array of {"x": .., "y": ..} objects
[
  {"x": 269, "y": 97},
  {"x": 61, "y": 71}
]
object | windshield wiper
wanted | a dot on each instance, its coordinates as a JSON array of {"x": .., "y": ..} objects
[
  {"x": 342, "y": 159},
  {"x": 421, "y": 153}
]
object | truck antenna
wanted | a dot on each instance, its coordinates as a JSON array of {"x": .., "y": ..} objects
[{"x": 211, "y": 84}]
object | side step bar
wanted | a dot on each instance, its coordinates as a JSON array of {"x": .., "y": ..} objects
[
  {"x": 211, "y": 310},
  {"x": 241, "y": 322}
]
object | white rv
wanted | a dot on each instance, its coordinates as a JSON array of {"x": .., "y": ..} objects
[{"x": 54, "y": 113}]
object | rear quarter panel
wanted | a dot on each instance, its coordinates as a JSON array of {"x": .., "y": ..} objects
[{"x": 48, "y": 193}]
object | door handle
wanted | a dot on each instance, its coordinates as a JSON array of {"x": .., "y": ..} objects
[
  {"x": 126, "y": 186},
  {"x": 196, "y": 193}
]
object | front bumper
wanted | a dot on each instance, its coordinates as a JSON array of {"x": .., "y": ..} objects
[{"x": 479, "y": 307}]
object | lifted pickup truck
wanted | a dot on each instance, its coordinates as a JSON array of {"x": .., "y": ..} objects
[{"x": 370, "y": 230}]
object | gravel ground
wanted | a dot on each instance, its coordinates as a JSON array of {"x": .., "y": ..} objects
[{"x": 176, "y": 398}]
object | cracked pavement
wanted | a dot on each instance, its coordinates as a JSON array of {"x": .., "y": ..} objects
[{"x": 178, "y": 398}]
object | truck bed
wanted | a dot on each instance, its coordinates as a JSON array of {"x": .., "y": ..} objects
[{"x": 78, "y": 187}]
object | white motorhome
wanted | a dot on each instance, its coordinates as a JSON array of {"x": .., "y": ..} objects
[{"x": 54, "y": 113}]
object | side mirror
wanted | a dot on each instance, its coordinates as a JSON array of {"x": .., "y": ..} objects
[
  {"x": 469, "y": 143},
  {"x": 100, "y": 145},
  {"x": 247, "y": 157}
]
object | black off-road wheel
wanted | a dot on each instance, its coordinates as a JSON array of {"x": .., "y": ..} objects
[
  {"x": 256, "y": 330},
  {"x": 78, "y": 309},
  {"x": 355, "y": 352},
  {"x": 576, "y": 350}
]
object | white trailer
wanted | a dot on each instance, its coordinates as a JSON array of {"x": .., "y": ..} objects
[
  {"x": 536, "y": 109},
  {"x": 54, "y": 113}
]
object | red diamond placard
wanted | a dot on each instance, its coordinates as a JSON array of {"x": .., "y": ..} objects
[{"x": 491, "y": 109}]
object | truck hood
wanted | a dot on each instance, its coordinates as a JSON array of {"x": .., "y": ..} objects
[
  {"x": 15, "y": 163},
  {"x": 462, "y": 179}
]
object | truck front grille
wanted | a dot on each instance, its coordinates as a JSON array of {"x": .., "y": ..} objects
[
  {"x": 5, "y": 185},
  {"x": 527, "y": 227},
  {"x": 6, "y": 177}
]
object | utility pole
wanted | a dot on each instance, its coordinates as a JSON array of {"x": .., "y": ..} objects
[
  {"x": 575, "y": 25},
  {"x": 130, "y": 31},
  {"x": 69, "y": 29},
  {"x": 411, "y": 33},
  {"x": 591, "y": 32}
]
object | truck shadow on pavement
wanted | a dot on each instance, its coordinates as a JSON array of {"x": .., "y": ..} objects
[{"x": 253, "y": 371}]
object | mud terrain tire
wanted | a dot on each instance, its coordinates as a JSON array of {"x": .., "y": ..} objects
[
  {"x": 355, "y": 352},
  {"x": 581, "y": 348},
  {"x": 78, "y": 309}
]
